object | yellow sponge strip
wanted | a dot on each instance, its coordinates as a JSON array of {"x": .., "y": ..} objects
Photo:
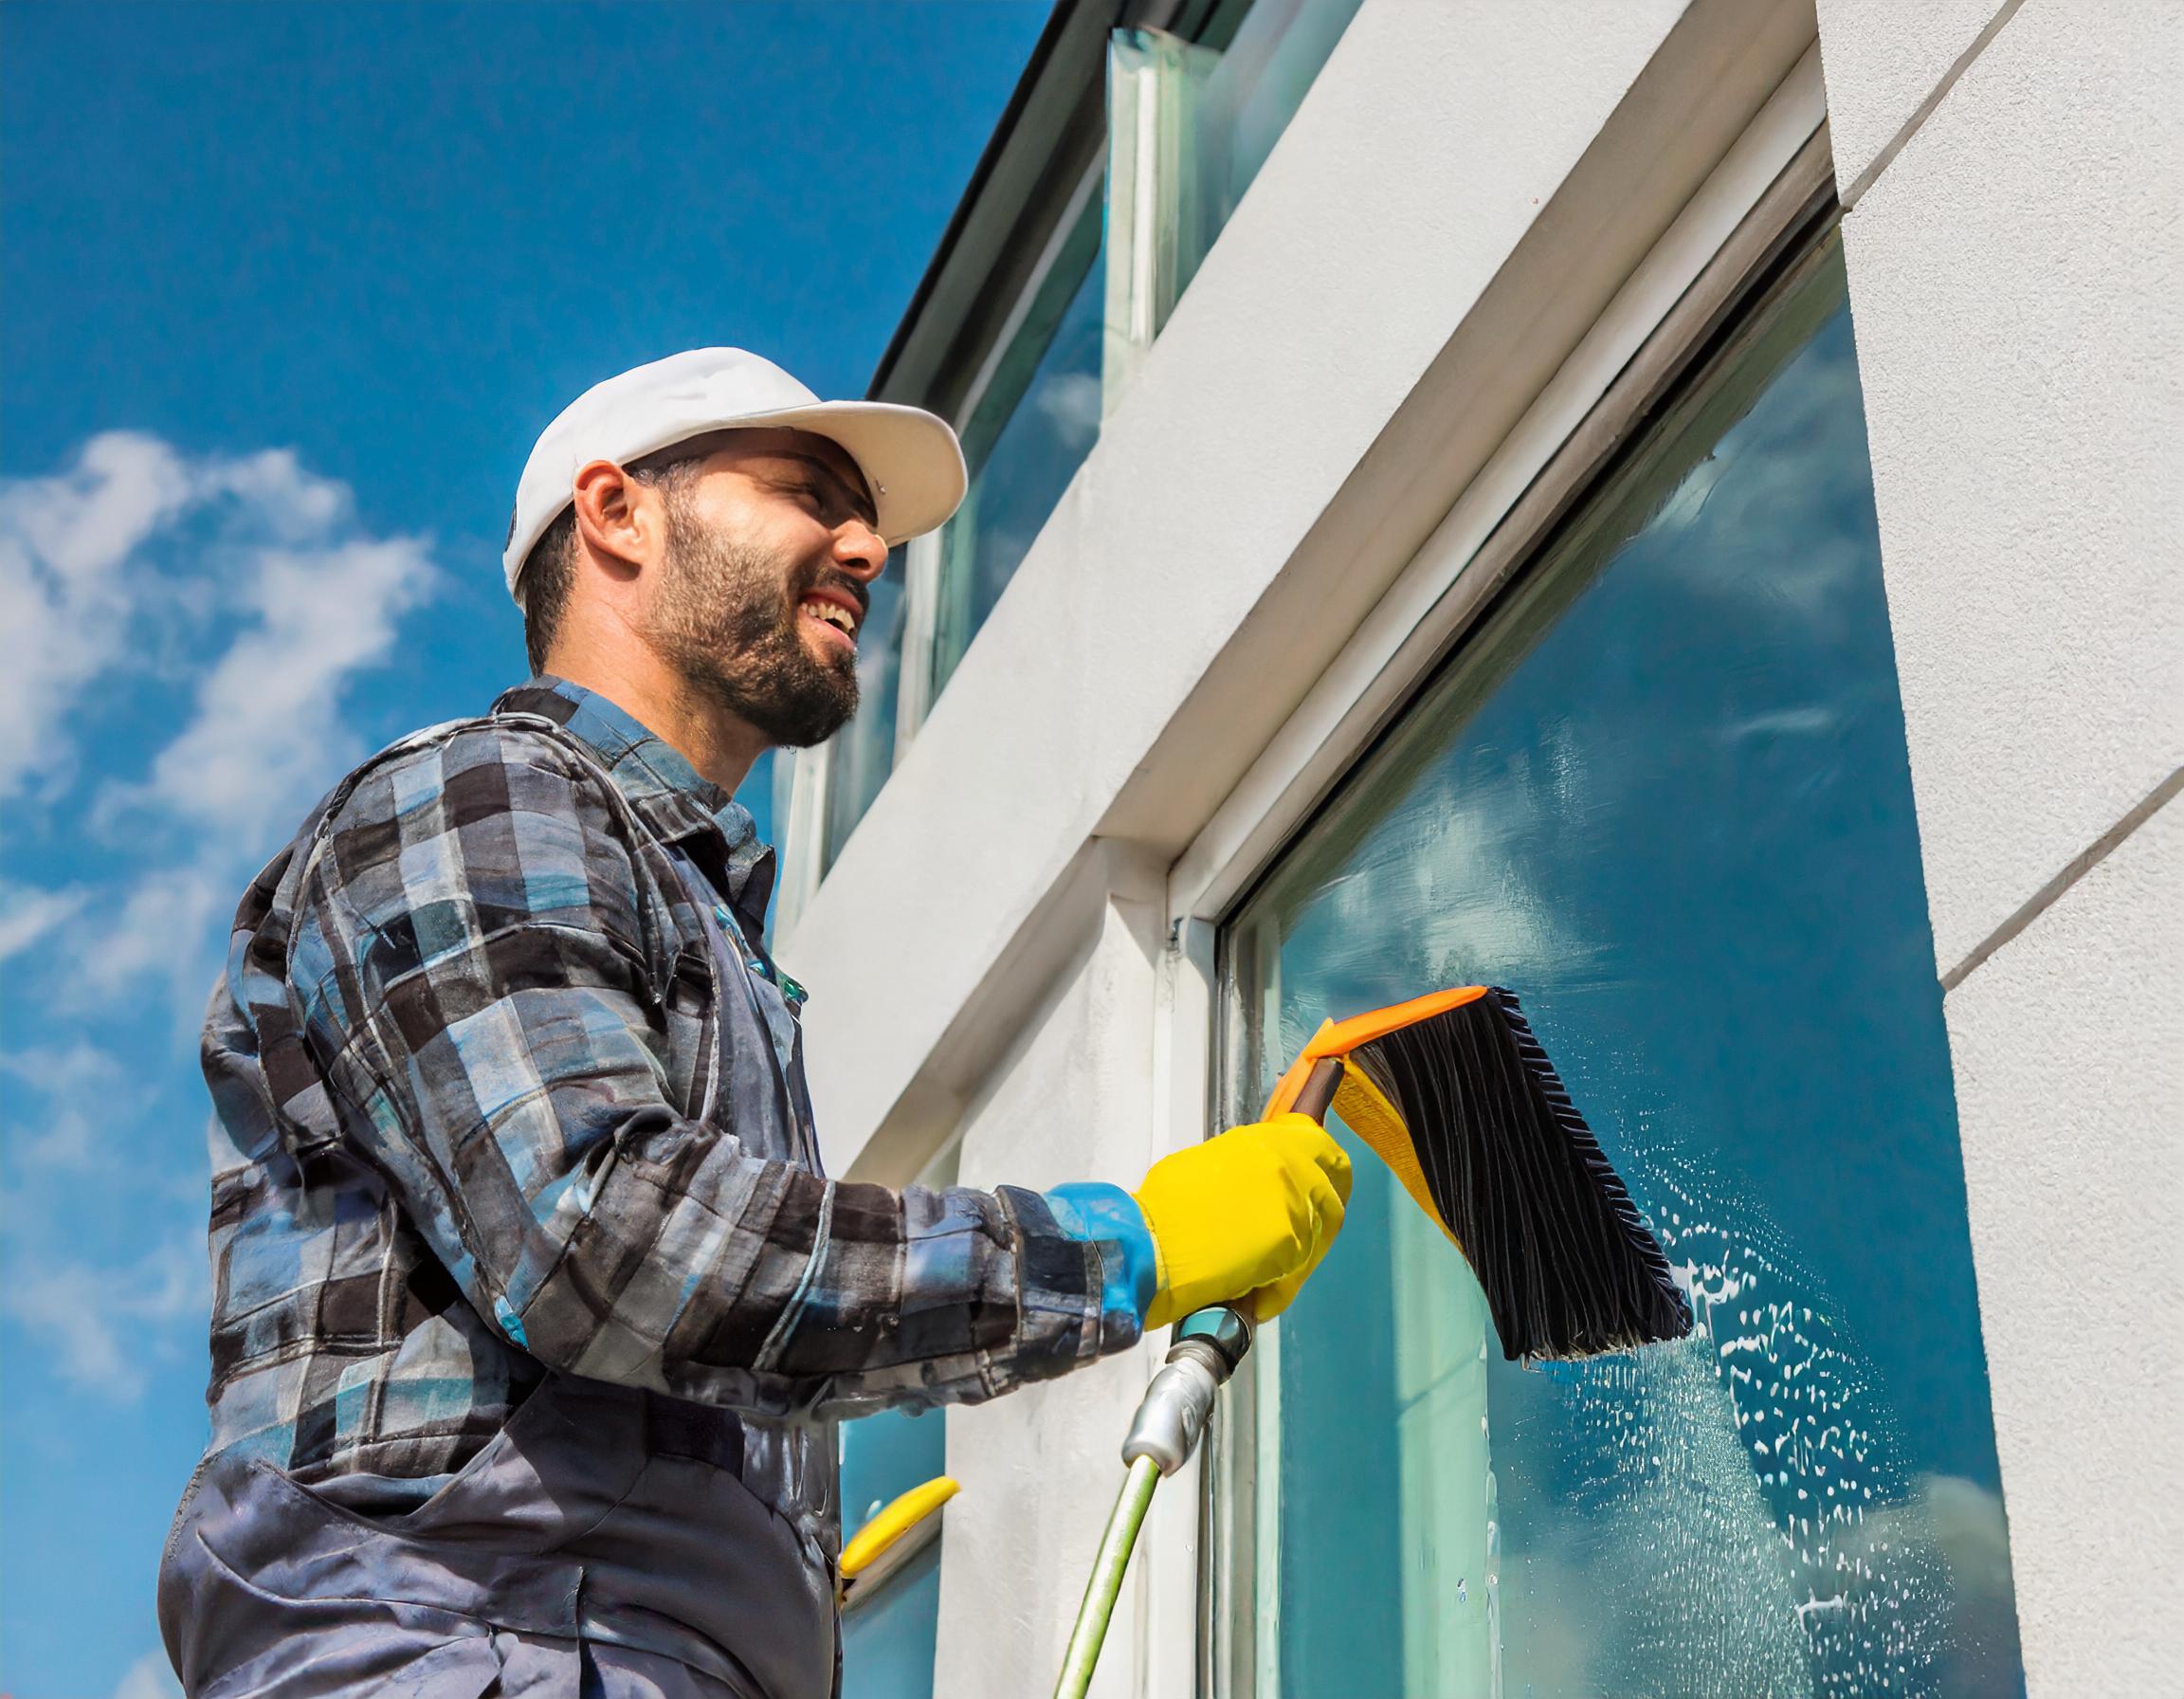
[
  {"x": 1369, "y": 1114},
  {"x": 893, "y": 1522}
]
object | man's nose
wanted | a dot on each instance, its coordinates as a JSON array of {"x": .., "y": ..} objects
[{"x": 860, "y": 551}]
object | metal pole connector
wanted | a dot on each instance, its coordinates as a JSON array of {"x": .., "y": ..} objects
[{"x": 1208, "y": 1345}]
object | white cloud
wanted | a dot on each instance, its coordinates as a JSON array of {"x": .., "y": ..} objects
[
  {"x": 83, "y": 1087},
  {"x": 294, "y": 504},
  {"x": 1430, "y": 857},
  {"x": 1809, "y": 720},
  {"x": 268, "y": 731},
  {"x": 251, "y": 561},
  {"x": 68, "y": 566},
  {"x": 28, "y": 913},
  {"x": 1780, "y": 513},
  {"x": 1959, "y": 1529},
  {"x": 150, "y": 1677},
  {"x": 57, "y": 1070},
  {"x": 161, "y": 930},
  {"x": 1071, "y": 403},
  {"x": 86, "y": 559},
  {"x": 105, "y": 1325},
  {"x": 227, "y": 604}
]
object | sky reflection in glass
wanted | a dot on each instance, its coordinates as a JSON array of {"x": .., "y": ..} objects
[
  {"x": 888, "y": 1641},
  {"x": 1031, "y": 430},
  {"x": 1665, "y": 796},
  {"x": 863, "y": 753}
]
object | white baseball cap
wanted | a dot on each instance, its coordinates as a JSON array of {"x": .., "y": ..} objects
[{"x": 908, "y": 456}]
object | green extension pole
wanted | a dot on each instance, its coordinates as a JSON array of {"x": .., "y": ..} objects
[
  {"x": 1107, "y": 1583},
  {"x": 1208, "y": 1346}
]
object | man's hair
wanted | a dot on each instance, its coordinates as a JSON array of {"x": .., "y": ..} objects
[{"x": 550, "y": 569}]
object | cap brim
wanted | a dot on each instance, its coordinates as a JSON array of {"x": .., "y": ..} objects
[{"x": 908, "y": 456}]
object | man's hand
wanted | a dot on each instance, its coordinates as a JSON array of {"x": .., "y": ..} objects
[{"x": 1251, "y": 1213}]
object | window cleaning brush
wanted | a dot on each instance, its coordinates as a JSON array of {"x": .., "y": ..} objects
[{"x": 1455, "y": 1094}]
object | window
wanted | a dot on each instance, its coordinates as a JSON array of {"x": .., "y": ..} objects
[
  {"x": 1190, "y": 123},
  {"x": 1026, "y": 435},
  {"x": 1259, "y": 59},
  {"x": 863, "y": 753},
  {"x": 888, "y": 1639},
  {"x": 1189, "y": 117},
  {"x": 1663, "y": 793}
]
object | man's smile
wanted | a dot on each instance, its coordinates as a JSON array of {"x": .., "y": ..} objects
[{"x": 835, "y": 613}]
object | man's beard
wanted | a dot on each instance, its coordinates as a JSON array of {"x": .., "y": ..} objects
[{"x": 727, "y": 621}]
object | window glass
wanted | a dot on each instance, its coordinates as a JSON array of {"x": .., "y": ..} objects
[
  {"x": 888, "y": 1639},
  {"x": 1268, "y": 54},
  {"x": 862, "y": 752},
  {"x": 1025, "y": 438},
  {"x": 1038, "y": 413},
  {"x": 1663, "y": 795}
]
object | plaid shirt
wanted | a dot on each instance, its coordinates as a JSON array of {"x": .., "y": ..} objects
[{"x": 468, "y": 1130}]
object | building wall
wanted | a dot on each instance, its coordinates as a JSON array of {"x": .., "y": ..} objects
[
  {"x": 2010, "y": 178},
  {"x": 1072, "y": 1101},
  {"x": 1465, "y": 190}
]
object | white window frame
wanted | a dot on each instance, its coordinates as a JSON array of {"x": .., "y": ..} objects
[{"x": 1763, "y": 194}]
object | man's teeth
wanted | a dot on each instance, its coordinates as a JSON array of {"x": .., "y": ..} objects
[{"x": 835, "y": 613}]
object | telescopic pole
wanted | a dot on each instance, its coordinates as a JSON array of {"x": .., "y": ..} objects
[{"x": 1208, "y": 1345}]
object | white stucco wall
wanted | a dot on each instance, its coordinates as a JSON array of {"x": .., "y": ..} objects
[
  {"x": 2069, "y": 1053},
  {"x": 1884, "y": 61},
  {"x": 2013, "y": 282},
  {"x": 1465, "y": 188},
  {"x": 2016, "y": 289},
  {"x": 1039, "y": 1469}
]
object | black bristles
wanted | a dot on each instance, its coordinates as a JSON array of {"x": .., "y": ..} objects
[{"x": 1569, "y": 1268}]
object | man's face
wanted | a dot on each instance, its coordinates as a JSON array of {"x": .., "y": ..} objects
[{"x": 769, "y": 553}]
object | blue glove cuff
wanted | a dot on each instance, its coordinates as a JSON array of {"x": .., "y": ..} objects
[{"x": 1108, "y": 1216}]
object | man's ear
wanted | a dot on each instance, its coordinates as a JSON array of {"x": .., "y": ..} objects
[{"x": 618, "y": 528}]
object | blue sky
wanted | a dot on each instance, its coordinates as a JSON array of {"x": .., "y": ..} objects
[{"x": 286, "y": 293}]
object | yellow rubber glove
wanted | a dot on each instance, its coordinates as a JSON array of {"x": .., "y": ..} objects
[{"x": 1251, "y": 1211}]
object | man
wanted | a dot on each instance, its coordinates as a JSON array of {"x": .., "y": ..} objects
[{"x": 532, "y": 1307}]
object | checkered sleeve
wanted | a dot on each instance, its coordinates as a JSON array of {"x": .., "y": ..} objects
[{"x": 481, "y": 967}]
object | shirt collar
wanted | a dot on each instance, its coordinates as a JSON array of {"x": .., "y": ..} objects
[{"x": 661, "y": 786}]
